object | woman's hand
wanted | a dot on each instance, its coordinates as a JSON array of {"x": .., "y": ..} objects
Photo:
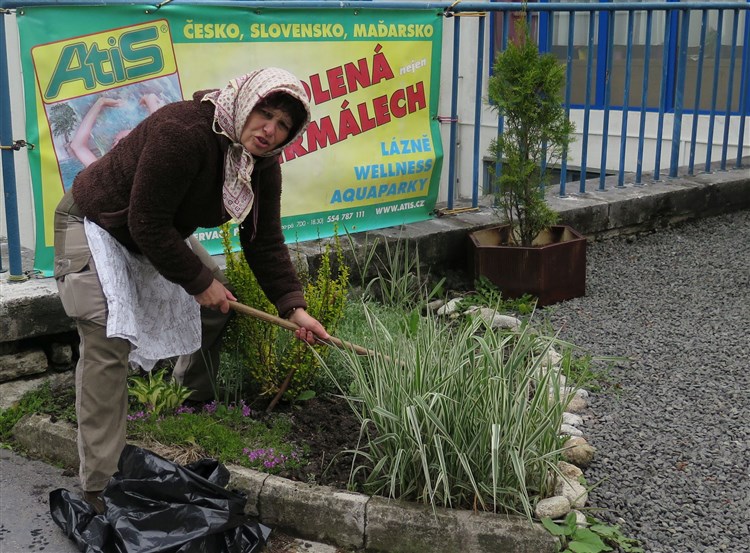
[
  {"x": 309, "y": 328},
  {"x": 216, "y": 296}
]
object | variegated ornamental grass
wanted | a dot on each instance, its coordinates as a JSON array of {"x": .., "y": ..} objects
[{"x": 456, "y": 415}]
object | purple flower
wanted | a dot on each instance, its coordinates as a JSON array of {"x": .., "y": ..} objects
[
  {"x": 184, "y": 409},
  {"x": 137, "y": 416}
]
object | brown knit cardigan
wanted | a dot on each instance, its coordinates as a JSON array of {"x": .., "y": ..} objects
[{"x": 164, "y": 180}]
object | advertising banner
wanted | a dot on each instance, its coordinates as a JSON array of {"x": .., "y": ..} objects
[{"x": 371, "y": 157}]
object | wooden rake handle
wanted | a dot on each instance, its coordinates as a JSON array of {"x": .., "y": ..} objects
[{"x": 289, "y": 325}]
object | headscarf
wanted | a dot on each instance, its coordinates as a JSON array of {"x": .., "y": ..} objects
[{"x": 233, "y": 104}]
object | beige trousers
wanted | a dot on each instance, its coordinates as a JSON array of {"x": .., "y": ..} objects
[{"x": 102, "y": 369}]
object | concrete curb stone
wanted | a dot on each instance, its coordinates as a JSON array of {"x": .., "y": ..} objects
[{"x": 345, "y": 519}]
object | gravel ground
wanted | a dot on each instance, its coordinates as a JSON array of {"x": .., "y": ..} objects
[{"x": 672, "y": 432}]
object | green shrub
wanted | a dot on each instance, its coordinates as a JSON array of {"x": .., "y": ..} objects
[{"x": 271, "y": 354}]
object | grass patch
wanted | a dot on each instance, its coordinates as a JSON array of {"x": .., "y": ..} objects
[
  {"x": 229, "y": 434},
  {"x": 41, "y": 400}
]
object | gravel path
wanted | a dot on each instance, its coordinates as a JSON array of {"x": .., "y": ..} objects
[{"x": 673, "y": 443}]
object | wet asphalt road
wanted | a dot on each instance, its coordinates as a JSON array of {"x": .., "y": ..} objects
[{"x": 25, "y": 521}]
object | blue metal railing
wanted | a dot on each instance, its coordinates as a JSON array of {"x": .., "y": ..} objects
[{"x": 598, "y": 96}]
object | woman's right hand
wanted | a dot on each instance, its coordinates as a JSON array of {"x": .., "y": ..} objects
[{"x": 215, "y": 296}]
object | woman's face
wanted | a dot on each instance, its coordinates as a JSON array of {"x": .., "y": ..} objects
[{"x": 265, "y": 130}]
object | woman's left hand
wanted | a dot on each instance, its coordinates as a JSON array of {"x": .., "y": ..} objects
[{"x": 309, "y": 327}]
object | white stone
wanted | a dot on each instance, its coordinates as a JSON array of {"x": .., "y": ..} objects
[
  {"x": 577, "y": 405},
  {"x": 567, "y": 429},
  {"x": 572, "y": 419},
  {"x": 493, "y": 318},
  {"x": 553, "y": 507},
  {"x": 449, "y": 308},
  {"x": 581, "y": 521},
  {"x": 552, "y": 358},
  {"x": 434, "y": 305},
  {"x": 573, "y": 490},
  {"x": 575, "y": 392},
  {"x": 577, "y": 451},
  {"x": 569, "y": 471}
]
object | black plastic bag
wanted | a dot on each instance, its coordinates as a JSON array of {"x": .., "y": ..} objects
[{"x": 156, "y": 506}]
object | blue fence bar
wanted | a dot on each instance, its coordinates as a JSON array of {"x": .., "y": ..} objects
[
  {"x": 644, "y": 97},
  {"x": 744, "y": 90},
  {"x": 626, "y": 101},
  {"x": 587, "y": 106},
  {"x": 679, "y": 94},
  {"x": 698, "y": 81},
  {"x": 730, "y": 89},
  {"x": 662, "y": 102},
  {"x": 454, "y": 114},
  {"x": 478, "y": 112},
  {"x": 568, "y": 83},
  {"x": 607, "y": 98},
  {"x": 714, "y": 93}
]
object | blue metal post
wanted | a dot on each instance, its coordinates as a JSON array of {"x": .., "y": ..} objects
[
  {"x": 587, "y": 105},
  {"x": 626, "y": 100},
  {"x": 602, "y": 55},
  {"x": 545, "y": 30},
  {"x": 644, "y": 96},
  {"x": 478, "y": 112},
  {"x": 568, "y": 79},
  {"x": 730, "y": 90},
  {"x": 607, "y": 98},
  {"x": 679, "y": 95},
  {"x": 698, "y": 83},
  {"x": 714, "y": 92},
  {"x": 454, "y": 112},
  {"x": 8, "y": 164},
  {"x": 662, "y": 97},
  {"x": 744, "y": 91},
  {"x": 672, "y": 18}
]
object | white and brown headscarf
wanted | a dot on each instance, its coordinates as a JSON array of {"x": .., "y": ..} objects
[{"x": 233, "y": 104}]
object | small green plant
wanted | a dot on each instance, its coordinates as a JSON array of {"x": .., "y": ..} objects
[
  {"x": 594, "y": 538},
  {"x": 157, "y": 393},
  {"x": 486, "y": 294},
  {"x": 399, "y": 281},
  {"x": 525, "y": 89}
]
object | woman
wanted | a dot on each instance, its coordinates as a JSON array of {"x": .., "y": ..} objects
[{"x": 195, "y": 163}]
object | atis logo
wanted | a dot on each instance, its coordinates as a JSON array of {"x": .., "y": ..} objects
[{"x": 101, "y": 61}]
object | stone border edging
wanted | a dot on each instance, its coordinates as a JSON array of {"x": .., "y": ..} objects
[{"x": 346, "y": 519}]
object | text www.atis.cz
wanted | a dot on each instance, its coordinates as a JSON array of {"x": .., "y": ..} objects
[{"x": 398, "y": 207}]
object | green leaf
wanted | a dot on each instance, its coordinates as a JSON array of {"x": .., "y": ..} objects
[
  {"x": 306, "y": 395},
  {"x": 553, "y": 528},
  {"x": 605, "y": 530},
  {"x": 584, "y": 536},
  {"x": 582, "y": 547}
]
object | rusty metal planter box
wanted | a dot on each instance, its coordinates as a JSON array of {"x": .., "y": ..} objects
[{"x": 553, "y": 269}]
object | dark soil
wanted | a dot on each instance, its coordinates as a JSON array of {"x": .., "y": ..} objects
[{"x": 326, "y": 427}]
